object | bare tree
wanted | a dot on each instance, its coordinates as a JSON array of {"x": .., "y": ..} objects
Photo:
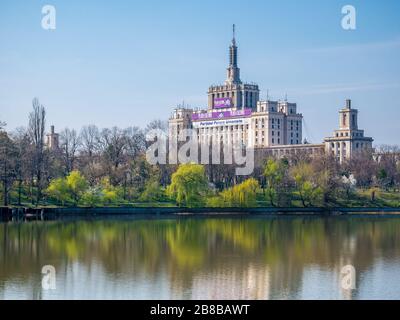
[
  {"x": 157, "y": 124},
  {"x": 7, "y": 164},
  {"x": 69, "y": 146},
  {"x": 89, "y": 138},
  {"x": 22, "y": 162},
  {"x": 113, "y": 143},
  {"x": 37, "y": 122},
  {"x": 135, "y": 141}
]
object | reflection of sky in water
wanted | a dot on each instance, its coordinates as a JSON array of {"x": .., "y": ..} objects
[{"x": 204, "y": 259}]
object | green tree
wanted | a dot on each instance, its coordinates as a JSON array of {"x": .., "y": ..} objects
[
  {"x": 189, "y": 185},
  {"x": 77, "y": 185},
  {"x": 308, "y": 189},
  {"x": 274, "y": 173},
  {"x": 152, "y": 191},
  {"x": 93, "y": 196},
  {"x": 59, "y": 190},
  {"x": 70, "y": 188},
  {"x": 241, "y": 195}
]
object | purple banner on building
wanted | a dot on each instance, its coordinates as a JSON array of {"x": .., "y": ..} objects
[
  {"x": 222, "y": 103},
  {"x": 221, "y": 115}
]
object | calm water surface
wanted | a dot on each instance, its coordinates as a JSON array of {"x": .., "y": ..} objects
[{"x": 202, "y": 258}]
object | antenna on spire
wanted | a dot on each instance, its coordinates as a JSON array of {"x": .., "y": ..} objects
[{"x": 233, "y": 33}]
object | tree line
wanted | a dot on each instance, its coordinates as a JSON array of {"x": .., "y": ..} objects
[{"x": 108, "y": 167}]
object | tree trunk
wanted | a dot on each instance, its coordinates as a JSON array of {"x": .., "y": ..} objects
[{"x": 19, "y": 191}]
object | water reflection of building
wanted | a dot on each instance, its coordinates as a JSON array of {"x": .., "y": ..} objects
[{"x": 252, "y": 282}]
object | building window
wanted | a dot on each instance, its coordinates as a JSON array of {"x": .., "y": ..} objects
[{"x": 273, "y": 140}]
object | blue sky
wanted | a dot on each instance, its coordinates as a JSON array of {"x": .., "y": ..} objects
[{"x": 128, "y": 62}]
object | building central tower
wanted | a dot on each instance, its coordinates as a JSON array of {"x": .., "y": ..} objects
[
  {"x": 233, "y": 74},
  {"x": 233, "y": 94}
]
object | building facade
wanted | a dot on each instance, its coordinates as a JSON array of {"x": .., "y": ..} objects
[
  {"x": 348, "y": 139},
  {"x": 236, "y": 115}
]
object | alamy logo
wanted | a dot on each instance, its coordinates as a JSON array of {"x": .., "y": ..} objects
[
  {"x": 349, "y": 19},
  {"x": 49, "y": 17},
  {"x": 185, "y": 147},
  {"x": 49, "y": 277},
  {"x": 348, "y": 277}
]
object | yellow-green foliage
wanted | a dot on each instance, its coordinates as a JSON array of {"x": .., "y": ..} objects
[
  {"x": 75, "y": 188},
  {"x": 109, "y": 192},
  {"x": 274, "y": 173},
  {"x": 70, "y": 188},
  {"x": 309, "y": 184},
  {"x": 58, "y": 189},
  {"x": 189, "y": 186},
  {"x": 152, "y": 191},
  {"x": 77, "y": 185},
  {"x": 241, "y": 195}
]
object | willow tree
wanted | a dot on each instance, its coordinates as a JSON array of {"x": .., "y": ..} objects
[
  {"x": 189, "y": 185},
  {"x": 243, "y": 195},
  {"x": 274, "y": 173}
]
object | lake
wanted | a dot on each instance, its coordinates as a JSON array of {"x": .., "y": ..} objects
[{"x": 202, "y": 258}]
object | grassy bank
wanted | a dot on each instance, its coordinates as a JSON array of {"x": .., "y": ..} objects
[{"x": 357, "y": 199}]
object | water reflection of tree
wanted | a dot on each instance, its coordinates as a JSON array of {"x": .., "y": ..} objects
[{"x": 184, "y": 248}]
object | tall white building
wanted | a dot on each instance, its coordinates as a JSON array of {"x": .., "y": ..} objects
[{"x": 235, "y": 115}]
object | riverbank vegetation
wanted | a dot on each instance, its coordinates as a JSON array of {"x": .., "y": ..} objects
[{"x": 107, "y": 167}]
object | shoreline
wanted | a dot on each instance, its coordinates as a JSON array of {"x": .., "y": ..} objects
[{"x": 29, "y": 214}]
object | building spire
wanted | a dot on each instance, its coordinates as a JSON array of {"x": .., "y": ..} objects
[
  {"x": 233, "y": 35},
  {"x": 233, "y": 74}
]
